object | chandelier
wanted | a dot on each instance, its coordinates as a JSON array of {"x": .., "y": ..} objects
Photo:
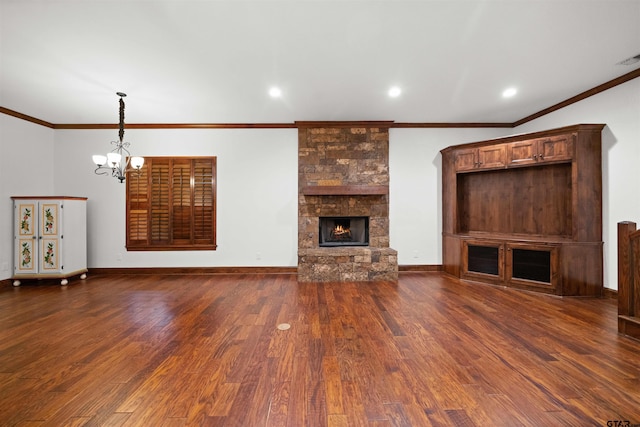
[{"x": 119, "y": 161}]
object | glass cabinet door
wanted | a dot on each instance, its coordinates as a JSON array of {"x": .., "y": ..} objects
[
  {"x": 532, "y": 265},
  {"x": 481, "y": 257}
]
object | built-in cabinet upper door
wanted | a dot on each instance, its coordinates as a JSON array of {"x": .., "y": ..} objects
[
  {"x": 543, "y": 150},
  {"x": 466, "y": 159},
  {"x": 489, "y": 157},
  {"x": 492, "y": 156},
  {"x": 556, "y": 148},
  {"x": 523, "y": 152}
]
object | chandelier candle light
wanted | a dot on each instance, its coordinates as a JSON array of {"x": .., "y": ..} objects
[{"x": 113, "y": 161}]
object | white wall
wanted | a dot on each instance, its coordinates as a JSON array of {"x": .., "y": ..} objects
[
  {"x": 257, "y": 183},
  {"x": 256, "y": 194},
  {"x": 619, "y": 109},
  {"x": 415, "y": 189},
  {"x": 26, "y": 167}
]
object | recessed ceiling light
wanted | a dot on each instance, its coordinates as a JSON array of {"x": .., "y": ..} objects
[
  {"x": 508, "y": 93},
  {"x": 395, "y": 92},
  {"x": 275, "y": 92}
]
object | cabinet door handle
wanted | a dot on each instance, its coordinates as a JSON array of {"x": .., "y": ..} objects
[
  {"x": 541, "y": 157},
  {"x": 535, "y": 157}
]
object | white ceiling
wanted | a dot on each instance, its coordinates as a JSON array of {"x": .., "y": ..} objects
[{"x": 214, "y": 61}]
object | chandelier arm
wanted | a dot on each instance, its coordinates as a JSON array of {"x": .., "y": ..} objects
[{"x": 102, "y": 170}]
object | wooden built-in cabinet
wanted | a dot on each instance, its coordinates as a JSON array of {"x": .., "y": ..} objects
[
  {"x": 629, "y": 279},
  {"x": 481, "y": 158},
  {"x": 552, "y": 149},
  {"x": 526, "y": 211}
]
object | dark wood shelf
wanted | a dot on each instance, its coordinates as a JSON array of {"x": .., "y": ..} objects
[{"x": 345, "y": 190}]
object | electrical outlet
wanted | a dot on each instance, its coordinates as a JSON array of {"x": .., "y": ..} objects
[
  {"x": 118, "y": 256},
  {"x": 258, "y": 256}
]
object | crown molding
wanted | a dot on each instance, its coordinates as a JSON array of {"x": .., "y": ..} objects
[
  {"x": 31, "y": 119},
  {"x": 178, "y": 126},
  {"x": 456, "y": 125},
  {"x": 581, "y": 96}
]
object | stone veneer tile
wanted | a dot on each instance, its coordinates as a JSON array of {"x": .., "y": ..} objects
[{"x": 344, "y": 156}]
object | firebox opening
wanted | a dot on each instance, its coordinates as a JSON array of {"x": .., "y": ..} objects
[{"x": 344, "y": 231}]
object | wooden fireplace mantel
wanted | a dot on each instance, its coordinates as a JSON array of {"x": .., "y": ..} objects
[{"x": 345, "y": 190}]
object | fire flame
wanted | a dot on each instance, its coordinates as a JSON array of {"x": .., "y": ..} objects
[{"x": 340, "y": 230}]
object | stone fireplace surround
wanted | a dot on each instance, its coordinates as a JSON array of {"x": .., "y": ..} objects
[{"x": 343, "y": 170}]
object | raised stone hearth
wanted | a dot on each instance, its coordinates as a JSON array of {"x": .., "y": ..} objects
[
  {"x": 344, "y": 172},
  {"x": 347, "y": 264}
]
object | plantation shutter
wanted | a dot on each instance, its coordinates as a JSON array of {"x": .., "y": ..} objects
[
  {"x": 203, "y": 206},
  {"x": 138, "y": 208},
  {"x": 181, "y": 203},
  {"x": 159, "y": 217},
  {"x": 171, "y": 204}
]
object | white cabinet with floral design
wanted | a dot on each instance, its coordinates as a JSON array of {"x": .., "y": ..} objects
[{"x": 50, "y": 236}]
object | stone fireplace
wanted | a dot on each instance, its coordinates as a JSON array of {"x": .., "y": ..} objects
[{"x": 343, "y": 174}]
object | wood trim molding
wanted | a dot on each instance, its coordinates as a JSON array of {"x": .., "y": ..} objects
[
  {"x": 532, "y": 135},
  {"x": 343, "y": 124},
  {"x": 581, "y": 96},
  {"x": 420, "y": 268},
  {"x": 232, "y": 270},
  {"x": 454, "y": 125},
  {"x": 48, "y": 197},
  {"x": 179, "y": 126},
  {"x": 17, "y": 115},
  {"x": 345, "y": 190},
  {"x": 195, "y": 270},
  {"x": 433, "y": 268}
]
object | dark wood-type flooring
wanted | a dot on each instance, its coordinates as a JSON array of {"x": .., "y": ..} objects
[{"x": 205, "y": 350}]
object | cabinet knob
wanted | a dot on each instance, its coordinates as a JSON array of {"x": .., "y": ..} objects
[
  {"x": 541, "y": 157},
  {"x": 535, "y": 157}
]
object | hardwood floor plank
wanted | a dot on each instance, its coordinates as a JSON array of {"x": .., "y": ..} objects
[
  {"x": 333, "y": 384},
  {"x": 205, "y": 350}
]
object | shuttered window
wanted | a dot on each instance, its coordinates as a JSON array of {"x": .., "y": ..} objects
[{"x": 171, "y": 204}]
